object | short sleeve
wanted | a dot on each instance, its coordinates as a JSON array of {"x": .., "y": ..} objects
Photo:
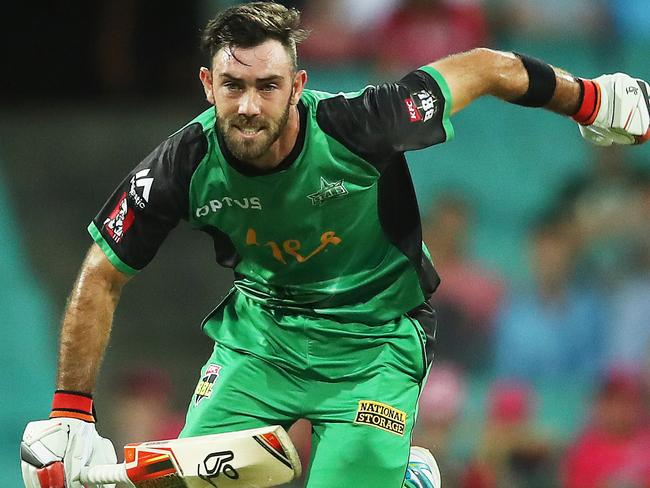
[
  {"x": 391, "y": 118},
  {"x": 149, "y": 202}
]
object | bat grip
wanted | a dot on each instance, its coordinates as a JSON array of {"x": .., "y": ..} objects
[{"x": 104, "y": 474}]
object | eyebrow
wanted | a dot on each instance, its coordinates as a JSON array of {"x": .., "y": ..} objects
[{"x": 257, "y": 80}]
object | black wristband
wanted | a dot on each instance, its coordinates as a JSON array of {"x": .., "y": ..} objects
[{"x": 541, "y": 82}]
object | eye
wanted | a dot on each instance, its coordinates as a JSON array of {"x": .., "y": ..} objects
[
  {"x": 231, "y": 86},
  {"x": 270, "y": 87}
]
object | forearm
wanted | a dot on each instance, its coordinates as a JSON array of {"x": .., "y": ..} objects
[
  {"x": 87, "y": 323},
  {"x": 480, "y": 72}
]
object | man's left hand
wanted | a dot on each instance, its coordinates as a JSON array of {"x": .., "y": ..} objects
[{"x": 620, "y": 107}]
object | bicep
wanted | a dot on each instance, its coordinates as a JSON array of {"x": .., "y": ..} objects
[{"x": 98, "y": 269}]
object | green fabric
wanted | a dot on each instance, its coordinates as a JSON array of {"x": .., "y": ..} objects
[
  {"x": 444, "y": 87},
  {"x": 343, "y": 377},
  {"x": 288, "y": 251}
]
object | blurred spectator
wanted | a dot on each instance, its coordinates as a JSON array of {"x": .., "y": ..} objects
[
  {"x": 511, "y": 451},
  {"x": 331, "y": 38},
  {"x": 557, "y": 19},
  {"x": 628, "y": 338},
  {"x": 609, "y": 207},
  {"x": 469, "y": 295},
  {"x": 552, "y": 330},
  {"x": 614, "y": 449},
  {"x": 599, "y": 203},
  {"x": 421, "y": 31},
  {"x": 441, "y": 404},
  {"x": 142, "y": 408},
  {"x": 628, "y": 331},
  {"x": 363, "y": 16}
]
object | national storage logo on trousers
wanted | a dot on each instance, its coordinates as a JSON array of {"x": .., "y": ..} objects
[{"x": 381, "y": 416}]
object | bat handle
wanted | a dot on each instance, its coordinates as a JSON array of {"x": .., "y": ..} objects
[{"x": 104, "y": 474}]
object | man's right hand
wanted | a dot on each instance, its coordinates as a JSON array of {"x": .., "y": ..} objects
[{"x": 53, "y": 452}]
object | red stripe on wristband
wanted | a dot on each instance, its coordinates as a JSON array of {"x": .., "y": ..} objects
[
  {"x": 590, "y": 105},
  {"x": 65, "y": 403}
]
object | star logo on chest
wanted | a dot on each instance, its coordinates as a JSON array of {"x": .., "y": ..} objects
[{"x": 327, "y": 191}]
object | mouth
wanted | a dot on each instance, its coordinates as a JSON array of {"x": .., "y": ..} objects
[{"x": 248, "y": 132}]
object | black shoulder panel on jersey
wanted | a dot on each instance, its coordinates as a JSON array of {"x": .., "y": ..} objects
[
  {"x": 152, "y": 199},
  {"x": 387, "y": 119},
  {"x": 400, "y": 218}
]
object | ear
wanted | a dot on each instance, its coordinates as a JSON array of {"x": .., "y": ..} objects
[
  {"x": 206, "y": 80},
  {"x": 299, "y": 82}
]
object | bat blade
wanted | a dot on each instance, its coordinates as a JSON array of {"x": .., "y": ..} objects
[{"x": 251, "y": 458}]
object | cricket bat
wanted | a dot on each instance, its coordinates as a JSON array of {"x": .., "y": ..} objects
[{"x": 247, "y": 458}]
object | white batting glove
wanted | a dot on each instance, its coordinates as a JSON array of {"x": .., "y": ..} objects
[
  {"x": 54, "y": 451},
  {"x": 615, "y": 110}
]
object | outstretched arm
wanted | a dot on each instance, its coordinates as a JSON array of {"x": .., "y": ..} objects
[
  {"x": 610, "y": 109},
  {"x": 473, "y": 74},
  {"x": 87, "y": 322}
]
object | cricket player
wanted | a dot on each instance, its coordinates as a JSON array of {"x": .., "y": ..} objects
[{"x": 308, "y": 198}]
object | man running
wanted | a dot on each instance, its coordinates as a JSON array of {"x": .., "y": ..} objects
[{"x": 309, "y": 200}]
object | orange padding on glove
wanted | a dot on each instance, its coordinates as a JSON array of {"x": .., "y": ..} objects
[
  {"x": 590, "y": 105},
  {"x": 52, "y": 476},
  {"x": 72, "y": 405}
]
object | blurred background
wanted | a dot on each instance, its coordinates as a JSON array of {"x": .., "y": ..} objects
[{"x": 542, "y": 370}]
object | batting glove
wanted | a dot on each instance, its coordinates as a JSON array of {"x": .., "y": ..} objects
[
  {"x": 615, "y": 109},
  {"x": 53, "y": 451}
]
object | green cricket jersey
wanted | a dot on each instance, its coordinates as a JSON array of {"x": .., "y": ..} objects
[{"x": 334, "y": 230}]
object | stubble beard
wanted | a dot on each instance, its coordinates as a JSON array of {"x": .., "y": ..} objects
[{"x": 251, "y": 150}]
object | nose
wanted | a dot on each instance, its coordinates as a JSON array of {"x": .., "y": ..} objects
[{"x": 249, "y": 103}]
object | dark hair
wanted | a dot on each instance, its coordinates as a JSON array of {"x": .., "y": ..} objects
[{"x": 251, "y": 24}]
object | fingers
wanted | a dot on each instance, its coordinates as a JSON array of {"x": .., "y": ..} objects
[
  {"x": 104, "y": 452},
  {"x": 628, "y": 106}
]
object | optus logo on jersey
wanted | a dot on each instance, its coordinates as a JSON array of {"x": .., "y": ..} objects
[{"x": 252, "y": 203}]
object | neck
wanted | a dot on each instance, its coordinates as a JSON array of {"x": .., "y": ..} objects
[{"x": 281, "y": 148}]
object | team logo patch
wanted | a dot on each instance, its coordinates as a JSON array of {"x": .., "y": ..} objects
[
  {"x": 381, "y": 416},
  {"x": 327, "y": 191},
  {"x": 205, "y": 386},
  {"x": 119, "y": 220},
  {"x": 421, "y": 106}
]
